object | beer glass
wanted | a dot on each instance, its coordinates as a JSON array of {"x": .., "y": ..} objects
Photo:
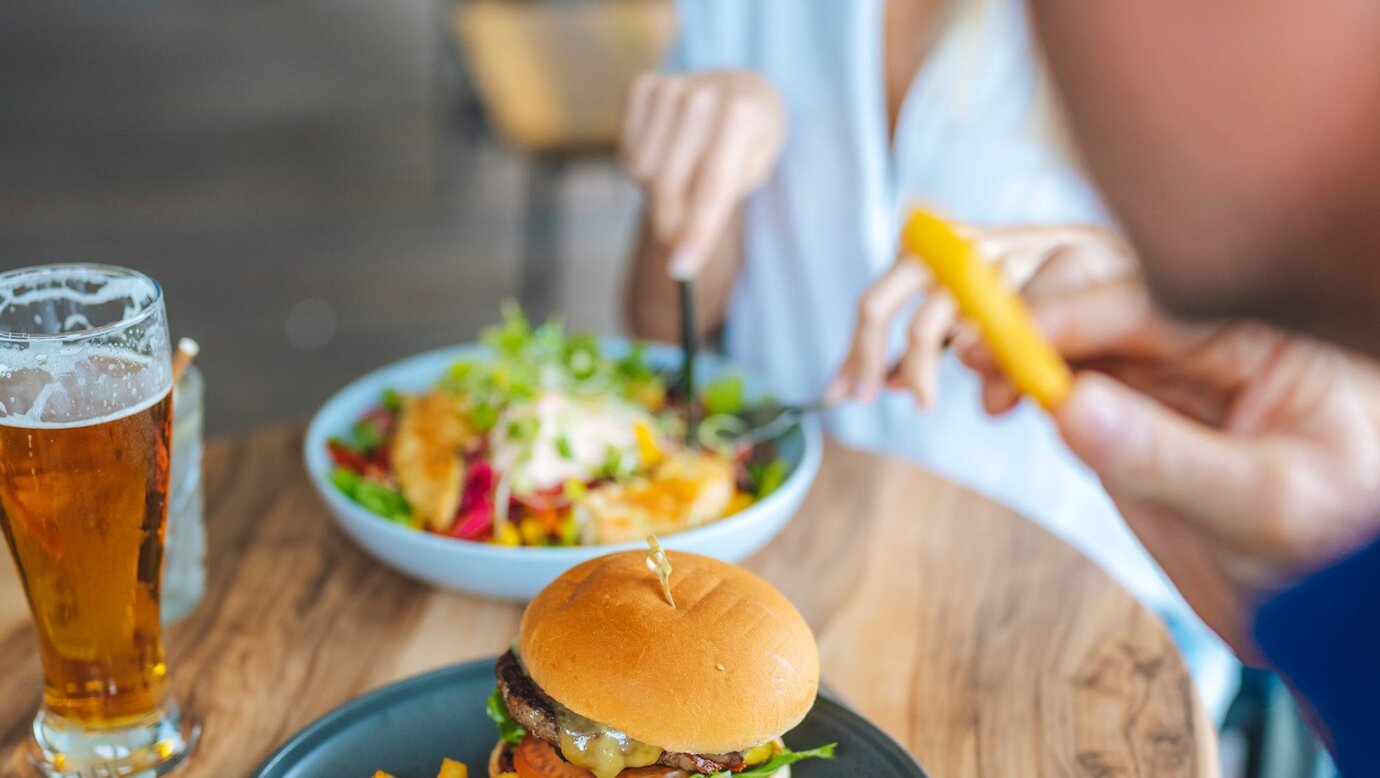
[{"x": 85, "y": 420}]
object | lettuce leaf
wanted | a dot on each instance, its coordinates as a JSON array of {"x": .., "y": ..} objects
[
  {"x": 783, "y": 759},
  {"x": 525, "y": 359},
  {"x": 376, "y": 497},
  {"x": 724, "y": 395},
  {"x": 391, "y": 400},
  {"x": 509, "y": 731},
  {"x": 767, "y": 477},
  {"x": 364, "y": 437}
]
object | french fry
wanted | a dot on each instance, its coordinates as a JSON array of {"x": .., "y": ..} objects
[
  {"x": 1029, "y": 361},
  {"x": 453, "y": 769},
  {"x": 449, "y": 769}
]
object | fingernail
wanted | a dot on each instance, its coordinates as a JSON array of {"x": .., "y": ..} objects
[
  {"x": 972, "y": 354},
  {"x": 922, "y": 401},
  {"x": 1094, "y": 412},
  {"x": 997, "y": 396},
  {"x": 682, "y": 265},
  {"x": 963, "y": 341}
]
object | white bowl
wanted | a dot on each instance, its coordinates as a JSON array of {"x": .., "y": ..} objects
[{"x": 519, "y": 573}]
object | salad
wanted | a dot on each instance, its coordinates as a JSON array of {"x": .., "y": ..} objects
[{"x": 545, "y": 440}]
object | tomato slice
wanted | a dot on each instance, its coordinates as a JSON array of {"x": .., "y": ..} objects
[{"x": 536, "y": 758}]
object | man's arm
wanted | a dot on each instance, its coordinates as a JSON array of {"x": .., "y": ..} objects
[{"x": 1323, "y": 636}]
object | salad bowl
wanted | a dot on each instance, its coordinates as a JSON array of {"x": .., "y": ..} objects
[{"x": 520, "y": 572}]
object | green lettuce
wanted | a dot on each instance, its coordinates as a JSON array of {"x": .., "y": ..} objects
[
  {"x": 509, "y": 731},
  {"x": 724, "y": 395},
  {"x": 767, "y": 477},
  {"x": 783, "y": 759},
  {"x": 376, "y": 497},
  {"x": 364, "y": 437},
  {"x": 525, "y": 358},
  {"x": 634, "y": 367},
  {"x": 391, "y": 400}
]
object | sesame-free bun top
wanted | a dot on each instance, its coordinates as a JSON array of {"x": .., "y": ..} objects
[{"x": 732, "y": 666}]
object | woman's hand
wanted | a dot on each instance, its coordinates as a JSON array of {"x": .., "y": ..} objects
[
  {"x": 1241, "y": 456},
  {"x": 1075, "y": 255},
  {"x": 699, "y": 145}
]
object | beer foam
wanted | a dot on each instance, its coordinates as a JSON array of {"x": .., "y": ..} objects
[
  {"x": 83, "y": 344},
  {"x": 96, "y": 384},
  {"x": 135, "y": 292},
  {"x": 30, "y": 422}
]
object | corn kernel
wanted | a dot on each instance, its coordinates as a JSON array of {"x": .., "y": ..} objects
[
  {"x": 574, "y": 490},
  {"x": 507, "y": 535},
  {"x": 648, "y": 449},
  {"x": 532, "y": 531}
]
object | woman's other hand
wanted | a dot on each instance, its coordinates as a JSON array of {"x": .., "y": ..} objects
[
  {"x": 1243, "y": 457},
  {"x": 1071, "y": 255},
  {"x": 698, "y": 145}
]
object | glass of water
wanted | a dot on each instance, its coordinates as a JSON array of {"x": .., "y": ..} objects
[{"x": 184, "y": 562}]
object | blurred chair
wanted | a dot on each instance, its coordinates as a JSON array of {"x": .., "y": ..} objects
[
  {"x": 1277, "y": 742},
  {"x": 552, "y": 77}
]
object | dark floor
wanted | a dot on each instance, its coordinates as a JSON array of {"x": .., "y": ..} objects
[{"x": 295, "y": 173}]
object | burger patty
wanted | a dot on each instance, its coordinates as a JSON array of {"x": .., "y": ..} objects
[{"x": 530, "y": 707}]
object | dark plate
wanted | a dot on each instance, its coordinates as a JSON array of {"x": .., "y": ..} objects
[{"x": 407, "y": 728}]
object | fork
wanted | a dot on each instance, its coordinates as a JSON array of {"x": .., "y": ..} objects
[
  {"x": 689, "y": 344},
  {"x": 768, "y": 422}
]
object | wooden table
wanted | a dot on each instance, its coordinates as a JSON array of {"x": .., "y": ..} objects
[{"x": 982, "y": 643}]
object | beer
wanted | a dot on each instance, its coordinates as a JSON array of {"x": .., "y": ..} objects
[
  {"x": 85, "y": 427},
  {"x": 83, "y": 505}
]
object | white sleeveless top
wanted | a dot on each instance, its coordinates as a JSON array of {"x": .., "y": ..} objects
[{"x": 969, "y": 140}]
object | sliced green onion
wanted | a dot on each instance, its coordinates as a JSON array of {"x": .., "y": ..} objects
[{"x": 721, "y": 432}]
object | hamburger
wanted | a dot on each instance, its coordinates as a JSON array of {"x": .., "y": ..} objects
[{"x": 609, "y": 679}]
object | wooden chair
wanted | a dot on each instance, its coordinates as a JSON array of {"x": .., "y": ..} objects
[{"x": 552, "y": 77}]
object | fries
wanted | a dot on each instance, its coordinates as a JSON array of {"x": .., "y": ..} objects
[
  {"x": 453, "y": 769},
  {"x": 1029, "y": 361},
  {"x": 449, "y": 769}
]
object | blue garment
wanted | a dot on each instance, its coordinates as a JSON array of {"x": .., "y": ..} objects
[
  {"x": 1323, "y": 636},
  {"x": 973, "y": 139}
]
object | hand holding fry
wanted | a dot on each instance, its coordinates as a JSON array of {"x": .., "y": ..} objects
[
  {"x": 1241, "y": 456},
  {"x": 1033, "y": 366},
  {"x": 1019, "y": 255}
]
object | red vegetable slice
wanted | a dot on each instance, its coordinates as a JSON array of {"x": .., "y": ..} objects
[
  {"x": 474, "y": 519},
  {"x": 535, "y": 758},
  {"x": 347, "y": 458}
]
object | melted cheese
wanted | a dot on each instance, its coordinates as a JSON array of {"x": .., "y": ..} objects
[{"x": 602, "y": 750}]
